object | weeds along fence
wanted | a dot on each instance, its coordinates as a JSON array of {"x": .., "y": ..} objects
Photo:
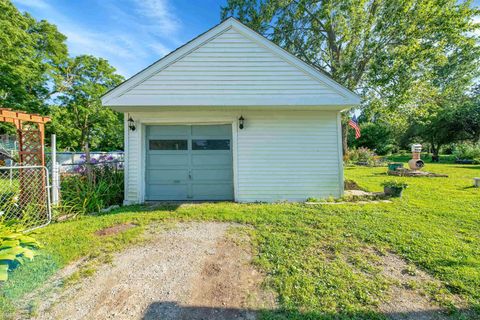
[
  {"x": 68, "y": 167},
  {"x": 91, "y": 187},
  {"x": 25, "y": 196}
]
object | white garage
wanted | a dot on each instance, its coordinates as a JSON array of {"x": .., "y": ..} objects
[{"x": 231, "y": 116}]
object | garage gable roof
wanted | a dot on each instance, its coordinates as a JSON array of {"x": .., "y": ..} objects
[{"x": 229, "y": 65}]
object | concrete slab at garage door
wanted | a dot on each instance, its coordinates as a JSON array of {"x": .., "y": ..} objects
[{"x": 189, "y": 162}]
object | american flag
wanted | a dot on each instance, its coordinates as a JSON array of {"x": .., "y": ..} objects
[{"x": 354, "y": 124}]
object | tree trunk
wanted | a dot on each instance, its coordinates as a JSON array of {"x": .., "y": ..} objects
[
  {"x": 86, "y": 148},
  {"x": 344, "y": 138},
  {"x": 435, "y": 151},
  {"x": 88, "y": 169}
]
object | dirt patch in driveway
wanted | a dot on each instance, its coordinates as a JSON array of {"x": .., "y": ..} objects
[
  {"x": 229, "y": 284},
  {"x": 193, "y": 271}
]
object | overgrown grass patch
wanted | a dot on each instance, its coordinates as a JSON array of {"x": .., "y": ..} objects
[{"x": 314, "y": 256}]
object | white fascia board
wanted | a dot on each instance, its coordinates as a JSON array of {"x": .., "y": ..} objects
[
  {"x": 258, "y": 100},
  {"x": 273, "y": 108}
]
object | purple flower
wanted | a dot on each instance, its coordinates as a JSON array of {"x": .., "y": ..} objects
[{"x": 79, "y": 169}]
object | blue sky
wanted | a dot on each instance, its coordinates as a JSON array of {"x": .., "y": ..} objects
[{"x": 130, "y": 34}]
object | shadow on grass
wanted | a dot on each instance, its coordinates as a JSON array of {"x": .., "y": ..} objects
[
  {"x": 151, "y": 206},
  {"x": 469, "y": 187},
  {"x": 159, "y": 206},
  {"x": 172, "y": 310},
  {"x": 22, "y": 281},
  {"x": 467, "y": 166}
]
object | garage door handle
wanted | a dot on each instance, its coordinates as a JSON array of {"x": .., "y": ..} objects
[{"x": 190, "y": 176}]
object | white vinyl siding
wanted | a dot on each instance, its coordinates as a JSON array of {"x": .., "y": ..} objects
[
  {"x": 288, "y": 156},
  {"x": 279, "y": 155},
  {"x": 133, "y": 174},
  {"x": 234, "y": 67}
]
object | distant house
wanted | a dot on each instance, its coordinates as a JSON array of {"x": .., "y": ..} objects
[
  {"x": 231, "y": 116},
  {"x": 8, "y": 146}
]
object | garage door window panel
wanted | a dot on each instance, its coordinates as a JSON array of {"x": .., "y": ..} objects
[
  {"x": 211, "y": 144},
  {"x": 168, "y": 144}
]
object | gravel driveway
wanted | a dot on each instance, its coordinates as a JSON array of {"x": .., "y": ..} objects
[{"x": 193, "y": 271}]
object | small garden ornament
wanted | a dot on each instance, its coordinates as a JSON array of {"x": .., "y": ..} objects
[
  {"x": 416, "y": 163},
  {"x": 394, "y": 188}
]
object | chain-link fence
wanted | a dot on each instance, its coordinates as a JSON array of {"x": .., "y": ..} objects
[{"x": 25, "y": 196}]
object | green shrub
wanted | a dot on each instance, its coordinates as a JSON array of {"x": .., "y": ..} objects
[
  {"x": 91, "y": 190},
  {"x": 394, "y": 184},
  {"x": 15, "y": 248},
  {"x": 360, "y": 155},
  {"x": 467, "y": 151}
]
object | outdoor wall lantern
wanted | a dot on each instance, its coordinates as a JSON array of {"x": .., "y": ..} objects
[
  {"x": 131, "y": 123},
  {"x": 240, "y": 122}
]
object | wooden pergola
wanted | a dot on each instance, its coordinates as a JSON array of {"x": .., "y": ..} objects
[{"x": 31, "y": 139}]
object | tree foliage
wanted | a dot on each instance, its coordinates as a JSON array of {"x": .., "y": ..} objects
[
  {"x": 30, "y": 50},
  {"x": 80, "y": 120},
  {"x": 376, "y": 136},
  {"x": 468, "y": 117},
  {"x": 406, "y": 58},
  {"x": 446, "y": 122}
]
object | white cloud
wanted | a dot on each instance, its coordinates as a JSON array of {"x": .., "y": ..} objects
[
  {"x": 87, "y": 43},
  {"x": 159, "y": 49},
  {"x": 160, "y": 13},
  {"x": 134, "y": 38}
]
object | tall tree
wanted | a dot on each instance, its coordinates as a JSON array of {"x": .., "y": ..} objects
[
  {"x": 79, "y": 119},
  {"x": 378, "y": 48},
  {"x": 446, "y": 117},
  {"x": 437, "y": 115},
  {"x": 468, "y": 116},
  {"x": 29, "y": 53}
]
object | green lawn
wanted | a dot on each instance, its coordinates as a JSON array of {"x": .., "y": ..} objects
[{"x": 316, "y": 257}]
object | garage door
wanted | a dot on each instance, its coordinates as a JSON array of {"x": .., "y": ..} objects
[{"x": 189, "y": 162}]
